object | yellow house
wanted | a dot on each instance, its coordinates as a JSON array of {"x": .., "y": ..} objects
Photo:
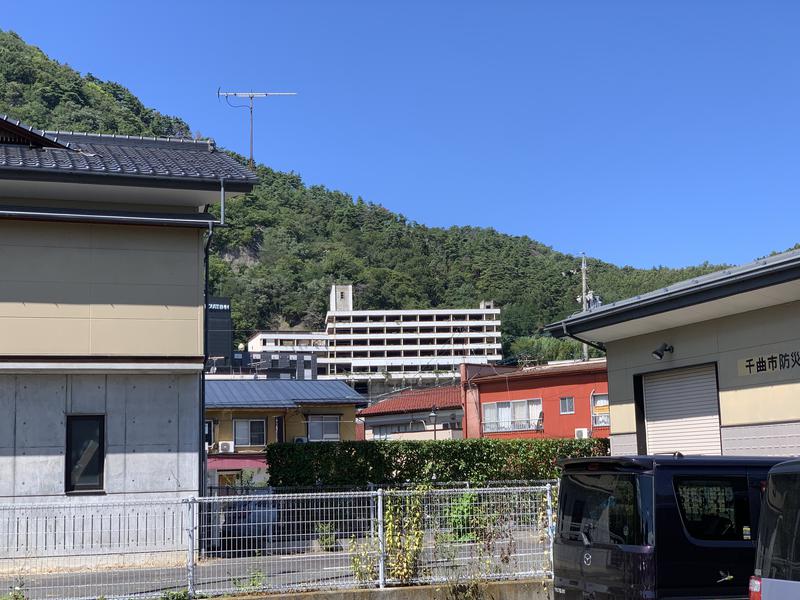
[
  {"x": 243, "y": 416},
  {"x": 103, "y": 244}
]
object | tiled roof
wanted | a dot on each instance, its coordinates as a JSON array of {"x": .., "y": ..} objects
[
  {"x": 550, "y": 370},
  {"x": 148, "y": 161},
  {"x": 419, "y": 400},
  {"x": 278, "y": 393}
]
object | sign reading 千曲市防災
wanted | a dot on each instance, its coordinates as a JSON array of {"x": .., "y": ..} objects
[{"x": 769, "y": 363}]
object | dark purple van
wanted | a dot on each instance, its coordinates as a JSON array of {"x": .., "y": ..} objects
[{"x": 657, "y": 527}]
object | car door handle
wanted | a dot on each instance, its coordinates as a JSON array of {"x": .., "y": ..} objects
[{"x": 726, "y": 576}]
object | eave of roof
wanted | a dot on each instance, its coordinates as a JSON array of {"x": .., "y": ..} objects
[
  {"x": 26, "y": 213},
  {"x": 29, "y": 154},
  {"x": 774, "y": 270},
  {"x": 545, "y": 371}
]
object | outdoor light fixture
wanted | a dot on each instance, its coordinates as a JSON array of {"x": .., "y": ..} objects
[
  {"x": 658, "y": 353},
  {"x": 432, "y": 417}
]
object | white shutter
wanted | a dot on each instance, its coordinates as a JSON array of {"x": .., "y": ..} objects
[{"x": 681, "y": 410}]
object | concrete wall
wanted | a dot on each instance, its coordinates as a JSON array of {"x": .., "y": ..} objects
[
  {"x": 526, "y": 589},
  {"x": 753, "y": 406},
  {"x": 87, "y": 289},
  {"x": 151, "y": 429}
]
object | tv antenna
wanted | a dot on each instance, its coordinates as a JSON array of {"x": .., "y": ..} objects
[{"x": 250, "y": 96}]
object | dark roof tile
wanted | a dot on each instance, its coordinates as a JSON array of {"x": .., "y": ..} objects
[{"x": 82, "y": 154}]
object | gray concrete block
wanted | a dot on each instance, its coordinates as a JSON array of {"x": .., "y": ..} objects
[
  {"x": 41, "y": 402},
  {"x": 116, "y": 389},
  {"x": 87, "y": 394},
  {"x": 114, "y": 475},
  {"x": 6, "y": 474},
  {"x": 7, "y": 408},
  {"x": 188, "y": 470},
  {"x": 151, "y": 469},
  {"x": 189, "y": 409},
  {"x": 152, "y": 410},
  {"x": 39, "y": 472}
]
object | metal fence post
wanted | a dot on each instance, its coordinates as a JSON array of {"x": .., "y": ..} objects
[
  {"x": 190, "y": 549},
  {"x": 381, "y": 543},
  {"x": 550, "y": 524}
]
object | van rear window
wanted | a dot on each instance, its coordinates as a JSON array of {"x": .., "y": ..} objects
[
  {"x": 598, "y": 508},
  {"x": 714, "y": 509},
  {"x": 778, "y": 554}
]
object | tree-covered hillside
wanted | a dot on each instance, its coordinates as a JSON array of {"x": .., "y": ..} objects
[
  {"x": 287, "y": 242},
  {"x": 41, "y": 92}
]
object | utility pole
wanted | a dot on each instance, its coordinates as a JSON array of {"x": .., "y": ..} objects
[
  {"x": 250, "y": 96},
  {"x": 584, "y": 299}
]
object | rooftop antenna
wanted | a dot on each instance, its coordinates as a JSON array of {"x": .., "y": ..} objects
[{"x": 251, "y": 96}]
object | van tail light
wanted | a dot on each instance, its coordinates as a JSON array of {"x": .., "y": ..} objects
[{"x": 755, "y": 588}]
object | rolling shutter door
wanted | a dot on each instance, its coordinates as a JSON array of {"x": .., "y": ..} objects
[{"x": 681, "y": 409}]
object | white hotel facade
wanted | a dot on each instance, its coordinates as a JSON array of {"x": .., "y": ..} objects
[{"x": 392, "y": 347}]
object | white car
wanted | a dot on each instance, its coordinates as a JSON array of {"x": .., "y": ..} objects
[{"x": 777, "y": 569}]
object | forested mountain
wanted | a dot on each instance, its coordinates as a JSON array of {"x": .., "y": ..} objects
[{"x": 287, "y": 242}]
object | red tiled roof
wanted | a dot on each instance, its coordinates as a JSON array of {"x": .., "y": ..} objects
[
  {"x": 552, "y": 370},
  {"x": 416, "y": 401}
]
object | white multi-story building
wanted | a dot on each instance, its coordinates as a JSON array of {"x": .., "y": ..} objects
[
  {"x": 392, "y": 347},
  {"x": 407, "y": 346}
]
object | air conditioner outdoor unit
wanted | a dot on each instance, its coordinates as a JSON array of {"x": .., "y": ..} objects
[
  {"x": 582, "y": 433},
  {"x": 300, "y": 440},
  {"x": 227, "y": 447}
]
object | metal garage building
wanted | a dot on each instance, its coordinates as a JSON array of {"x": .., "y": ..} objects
[{"x": 705, "y": 366}]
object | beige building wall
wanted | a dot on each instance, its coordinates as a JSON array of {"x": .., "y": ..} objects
[
  {"x": 73, "y": 289},
  {"x": 751, "y": 401},
  {"x": 295, "y": 423}
]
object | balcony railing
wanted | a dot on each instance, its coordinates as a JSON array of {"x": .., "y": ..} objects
[{"x": 513, "y": 425}]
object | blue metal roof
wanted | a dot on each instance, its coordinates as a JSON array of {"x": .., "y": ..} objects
[{"x": 278, "y": 393}]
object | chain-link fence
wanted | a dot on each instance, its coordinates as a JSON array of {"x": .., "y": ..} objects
[{"x": 272, "y": 542}]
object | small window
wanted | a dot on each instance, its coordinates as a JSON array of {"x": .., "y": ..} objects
[
  {"x": 323, "y": 428},
  {"x": 85, "y": 454},
  {"x": 209, "y": 432},
  {"x": 249, "y": 433},
  {"x": 568, "y": 406},
  {"x": 600, "y": 413},
  {"x": 714, "y": 509}
]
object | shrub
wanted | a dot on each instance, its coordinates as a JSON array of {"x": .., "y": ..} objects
[{"x": 396, "y": 462}]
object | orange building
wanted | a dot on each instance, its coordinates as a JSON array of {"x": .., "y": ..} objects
[{"x": 563, "y": 399}]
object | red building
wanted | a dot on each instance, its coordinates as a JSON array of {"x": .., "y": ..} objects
[{"x": 565, "y": 400}]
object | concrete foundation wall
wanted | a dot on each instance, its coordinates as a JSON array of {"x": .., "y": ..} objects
[
  {"x": 151, "y": 429},
  {"x": 528, "y": 589}
]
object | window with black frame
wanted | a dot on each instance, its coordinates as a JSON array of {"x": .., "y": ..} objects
[
  {"x": 715, "y": 509},
  {"x": 85, "y": 453},
  {"x": 602, "y": 508}
]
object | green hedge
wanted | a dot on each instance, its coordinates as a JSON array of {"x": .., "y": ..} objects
[{"x": 474, "y": 460}]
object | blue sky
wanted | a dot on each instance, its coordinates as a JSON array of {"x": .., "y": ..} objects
[{"x": 643, "y": 133}]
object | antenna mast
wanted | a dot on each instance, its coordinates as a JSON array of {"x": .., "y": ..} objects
[{"x": 250, "y": 96}]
